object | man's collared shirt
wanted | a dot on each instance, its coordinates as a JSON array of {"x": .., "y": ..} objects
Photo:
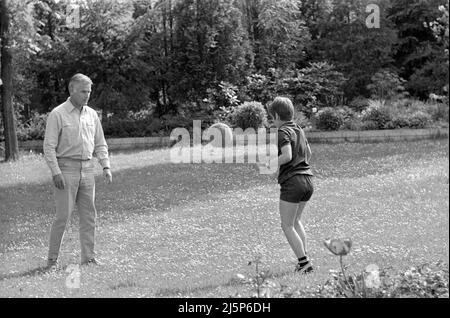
[{"x": 74, "y": 134}]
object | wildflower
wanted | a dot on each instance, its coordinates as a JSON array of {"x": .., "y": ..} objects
[
  {"x": 240, "y": 276},
  {"x": 372, "y": 268},
  {"x": 339, "y": 247},
  {"x": 372, "y": 280},
  {"x": 73, "y": 279}
]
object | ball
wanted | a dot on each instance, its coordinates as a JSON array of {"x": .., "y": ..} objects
[{"x": 220, "y": 135}]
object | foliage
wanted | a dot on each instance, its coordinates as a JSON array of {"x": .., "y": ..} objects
[
  {"x": 317, "y": 85},
  {"x": 359, "y": 104},
  {"x": 201, "y": 59},
  {"x": 418, "y": 119},
  {"x": 301, "y": 119},
  {"x": 127, "y": 127},
  {"x": 377, "y": 115},
  {"x": 419, "y": 55},
  {"x": 329, "y": 119},
  {"x": 423, "y": 281},
  {"x": 33, "y": 128},
  {"x": 386, "y": 85},
  {"x": 430, "y": 281},
  {"x": 261, "y": 285},
  {"x": 278, "y": 34},
  {"x": 344, "y": 40},
  {"x": 249, "y": 115}
]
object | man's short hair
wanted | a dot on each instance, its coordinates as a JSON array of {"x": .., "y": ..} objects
[
  {"x": 283, "y": 107},
  {"x": 79, "y": 78}
]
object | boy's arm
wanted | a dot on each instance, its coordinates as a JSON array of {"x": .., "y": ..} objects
[{"x": 286, "y": 155}]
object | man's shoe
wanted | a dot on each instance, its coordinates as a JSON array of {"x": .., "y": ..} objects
[
  {"x": 91, "y": 261},
  {"x": 52, "y": 264}
]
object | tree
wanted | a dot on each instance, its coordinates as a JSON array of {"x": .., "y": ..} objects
[
  {"x": 277, "y": 32},
  {"x": 419, "y": 55},
  {"x": 344, "y": 40},
  {"x": 11, "y": 144}
]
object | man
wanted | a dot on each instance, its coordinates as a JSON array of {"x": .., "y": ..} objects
[{"x": 72, "y": 136}]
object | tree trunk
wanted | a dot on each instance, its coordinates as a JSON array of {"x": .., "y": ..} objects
[{"x": 11, "y": 144}]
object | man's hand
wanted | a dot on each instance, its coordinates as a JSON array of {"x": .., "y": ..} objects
[
  {"x": 58, "y": 180},
  {"x": 107, "y": 176}
]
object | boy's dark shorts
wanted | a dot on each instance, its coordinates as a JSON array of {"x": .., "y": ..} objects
[{"x": 298, "y": 188}]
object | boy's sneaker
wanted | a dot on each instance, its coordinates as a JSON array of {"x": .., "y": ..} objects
[{"x": 304, "y": 268}]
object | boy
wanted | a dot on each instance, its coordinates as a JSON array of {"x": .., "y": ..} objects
[{"x": 294, "y": 177}]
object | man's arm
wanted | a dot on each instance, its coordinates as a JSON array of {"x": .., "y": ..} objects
[
  {"x": 52, "y": 129},
  {"x": 100, "y": 146},
  {"x": 101, "y": 151},
  {"x": 51, "y": 142}
]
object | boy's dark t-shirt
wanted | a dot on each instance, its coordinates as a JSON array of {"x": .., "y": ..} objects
[{"x": 292, "y": 133}]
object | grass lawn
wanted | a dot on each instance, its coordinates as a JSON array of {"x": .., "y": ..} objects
[{"x": 187, "y": 230}]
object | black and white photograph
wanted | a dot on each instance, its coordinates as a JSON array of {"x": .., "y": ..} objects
[{"x": 253, "y": 151}]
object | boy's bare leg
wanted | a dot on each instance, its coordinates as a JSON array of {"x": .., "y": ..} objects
[
  {"x": 299, "y": 226},
  {"x": 288, "y": 213}
]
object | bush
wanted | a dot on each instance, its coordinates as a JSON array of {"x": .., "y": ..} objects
[
  {"x": 354, "y": 123},
  {"x": 424, "y": 281},
  {"x": 126, "y": 127},
  {"x": 420, "y": 120},
  {"x": 302, "y": 120},
  {"x": 386, "y": 85},
  {"x": 359, "y": 104},
  {"x": 249, "y": 115},
  {"x": 439, "y": 112},
  {"x": 369, "y": 125},
  {"x": 329, "y": 119},
  {"x": 400, "y": 121},
  {"x": 377, "y": 113},
  {"x": 33, "y": 129}
]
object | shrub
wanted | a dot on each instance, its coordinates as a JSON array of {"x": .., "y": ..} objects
[
  {"x": 400, "y": 121},
  {"x": 377, "y": 113},
  {"x": 354, "y": 123},
  {"x": 439, "y": 112},
  {"x": 359, "y": 104},
  {"x": 249, "y": 115},
  {"x": 369, "y": 125},
  {"x": 346, "y": 112},
  {"x": 424, "y": 281},
  {"x": 126, "y": 127},
  {"x": 420, "y": 120},
  {"x": 412, "y": 113},
  {"x": 386, "y": 85},
  {"x": 317, "y": 85},
  {"x": 302, "y": 120},
  {"x": 32, "y": 129},
  {"x": 329, "y": 119}
]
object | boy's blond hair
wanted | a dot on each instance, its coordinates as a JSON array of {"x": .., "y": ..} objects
[{"x": 283, "y": 107}]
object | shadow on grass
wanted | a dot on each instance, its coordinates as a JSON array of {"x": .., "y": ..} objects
[
  {"x": 232, "y": 282},
  {"x": 31, "y": 272},
  {"x": 150, "y": 189}
]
